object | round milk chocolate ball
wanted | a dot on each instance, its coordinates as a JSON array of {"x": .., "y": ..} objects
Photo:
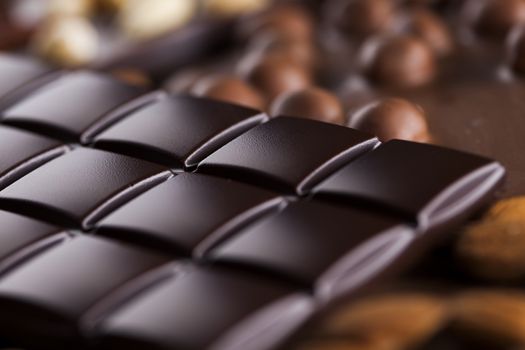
[
  {"x": 361, "y": 18},
  {"x": 290, "y": 21},
  {"x": 229, "y": 89},
  {"x": 400, "y": 61},
  {"x": 430, "y": 28},
  {"x": 497, "y": 17},
  {"x": 311, "y": 103},
  {"x": 302, "y": 52},
  {"x": 392, "y": 118},
  {"x": 274, "y": 76}
]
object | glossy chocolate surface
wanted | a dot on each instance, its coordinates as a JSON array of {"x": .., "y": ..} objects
[
  {"x": 283, "y": 153},
  {"x": 54, "y": 298},
  {"x": 21, "y": 237},
  {"x": 307, "y": 240},
  {"x": 402, "y": 176},
  {"x": 178, "y": 131},
  {"x": 52, "y": 191},
  {"x": 131, "y": 253},
  {"x": 20, "y": 75},
  {"x": 17, "y": 71},
  {"x": 69, "y": 106},
  {"x": 185, "y": 210},
  {"x": 27, "y": 151},
  {"x": 196, "y": 308}
]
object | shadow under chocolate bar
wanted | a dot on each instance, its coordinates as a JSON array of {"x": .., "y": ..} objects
[{"x": 134, "y": 219}]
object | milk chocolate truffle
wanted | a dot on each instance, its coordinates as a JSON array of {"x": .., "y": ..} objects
[
  {"x": 497, "y": 17},
  {"x": 361, "y": 18},
  {"x": 311, "y": 103},
  {"x": 303, "y": 52},
  {"x": 274, "y": 76},
  {"x": 392, "y": 118},
  {"x": 290, "y": 21},
  {"x": 430, "y": 28},
  {"x": 400, "y": 61},
  {"x": 229, "y": 89}
]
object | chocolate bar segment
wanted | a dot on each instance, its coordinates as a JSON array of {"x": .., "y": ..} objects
[
  {"x": 48, "y": 295},
  {"x": 207, "y": 309},
  {"x": 20, "y": 76},
  {"x": 184, "y": 211},
  {"x": 76, "y": 103},
  {"x": 287, "y": 154},
  {"x": 178, "y": 131},
  {"x": 23, "y": 152},
  {"x": 318, "y": 245},
  {"x": 425, "y": 183},
  {"x": 17, "y": 71},
  {"x": 81, "y": 186},
  {"x": 21, "y": 237}
]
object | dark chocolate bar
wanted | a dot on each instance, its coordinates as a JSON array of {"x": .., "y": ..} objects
[{"x": 171, "y": 222}]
